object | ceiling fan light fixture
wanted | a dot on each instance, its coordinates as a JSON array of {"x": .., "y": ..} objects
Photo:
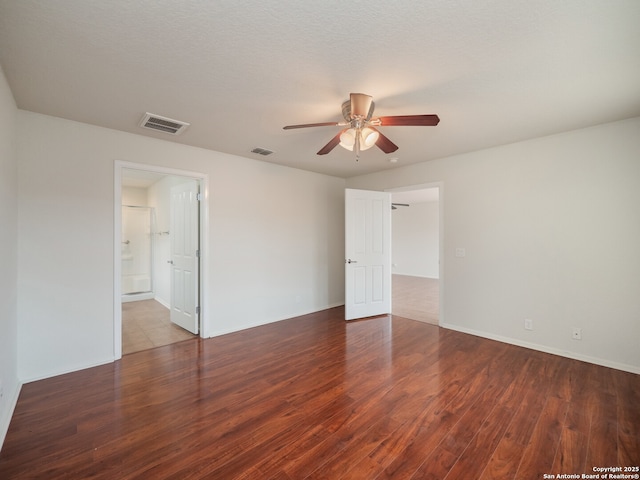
[
  {"x": 348, "y": 139},
  {"x": 369, "y": 137}
]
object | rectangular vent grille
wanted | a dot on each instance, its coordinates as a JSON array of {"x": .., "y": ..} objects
[
  {"x": 262, "y": 151},
  {"x": 163, "y": 124}
]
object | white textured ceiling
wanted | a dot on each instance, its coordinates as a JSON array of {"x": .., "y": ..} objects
[{"x": 495, "y": 72}]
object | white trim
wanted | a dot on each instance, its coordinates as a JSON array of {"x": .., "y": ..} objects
[
  {"x": 543, "y": 348},
  {"x": 414, "y": 275},
  {"x": 203, "y": 179},
  {"x": 162, "y": 302},
  {"x": 117, "y": 261},
  {"x": 66, "y": 370},
  {"x": 134, "y": 297}
]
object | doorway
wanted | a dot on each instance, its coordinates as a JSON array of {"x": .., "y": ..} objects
[
  {"x": 144, "y": 319},
  {"x": 417, "y": 246}
]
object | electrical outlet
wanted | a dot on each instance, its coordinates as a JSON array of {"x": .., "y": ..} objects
[
  {"x": 528, "y": 324},
  {"x": 577, "y": 333}
]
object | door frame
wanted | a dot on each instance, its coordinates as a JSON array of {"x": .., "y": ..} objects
[
  {"x": 203, "y": 180},
  {"x": 441, "y": 283}
]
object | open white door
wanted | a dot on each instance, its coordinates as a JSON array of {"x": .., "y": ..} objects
[
  {"x": 368, "y": 253},
  {"x": 184, "y": 261}
]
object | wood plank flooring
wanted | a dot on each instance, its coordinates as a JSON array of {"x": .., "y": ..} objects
[
  {"x": 316, "y": 397},
  {"x": 416, "y": 298},
  {"x": 146, "y": 324}
]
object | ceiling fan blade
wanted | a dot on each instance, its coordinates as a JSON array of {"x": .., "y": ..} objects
[
  {"x": 331, "y": 145},
  {"x": 384, "y": 144},
  {"x": 409, "y": 120},
  {"x": 360, "y": 104},
  {"x": 307, "y": 125}
]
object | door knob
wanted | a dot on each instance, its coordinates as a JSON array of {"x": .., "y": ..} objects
[
  {"x": 350, "y": 261},
  {"x": 170, "y": 261}
]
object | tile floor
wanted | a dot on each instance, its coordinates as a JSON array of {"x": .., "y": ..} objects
[
  {"x": 146, "y": 324},
  {"x": 416, "y": 298}
]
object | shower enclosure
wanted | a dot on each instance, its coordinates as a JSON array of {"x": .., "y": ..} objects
[{"x": 137, "y": 250}]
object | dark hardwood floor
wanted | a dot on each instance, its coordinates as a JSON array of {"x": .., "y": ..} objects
[{"x": 318, "y": 398}]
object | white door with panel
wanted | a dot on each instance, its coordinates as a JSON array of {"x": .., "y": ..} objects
[
  {"x": 368, "y": 253},
  {"x": 184, "y": 234}
]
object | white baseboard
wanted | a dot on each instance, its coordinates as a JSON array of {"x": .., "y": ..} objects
[
  {"x": 67, "y": 370},
  {"x": 5, "y": 421},
  {"x": 135, "y": 297},
  {"x": 414, "y": 275},
  {"x": 163, "y": 302},
  {"x": 543, "y": 348}
]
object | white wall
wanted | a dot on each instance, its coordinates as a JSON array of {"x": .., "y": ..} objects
[
  {"x": 135, "y": 196},
  {"x": 551, "y": 229},
  {"x": 276, "y": 242},
  {"x": 9, "y": 385},
  {"x": 415, "y": 249}
]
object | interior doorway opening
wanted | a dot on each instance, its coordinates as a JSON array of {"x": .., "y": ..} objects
[
  {"x": 146, "y": 289},
  {"x": 416, "y": 253}
]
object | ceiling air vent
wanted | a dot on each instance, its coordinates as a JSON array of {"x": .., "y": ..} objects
[
  {"x": 262, "y": 151},
  {"x": 163, "y": 124}
]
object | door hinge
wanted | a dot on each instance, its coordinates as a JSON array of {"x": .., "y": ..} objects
[
  {"x": 199, "y": 197},
  {"x": 198, "y": 310},
  {"x": 198, "y": 253}
]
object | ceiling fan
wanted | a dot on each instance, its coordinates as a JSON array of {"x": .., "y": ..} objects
[{"x": 361, "y": 132}]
